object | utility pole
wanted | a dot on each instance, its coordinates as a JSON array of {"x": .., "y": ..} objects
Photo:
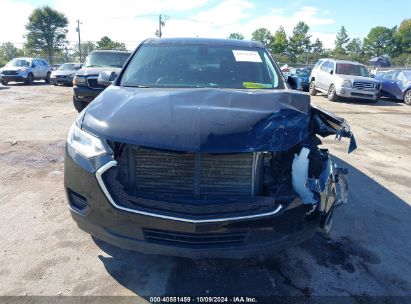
[
  {"x": 161, "y": 22},
  {"x": 79, "y": 41}
]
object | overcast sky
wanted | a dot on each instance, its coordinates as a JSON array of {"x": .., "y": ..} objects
[{"x": 131, "y": 21}]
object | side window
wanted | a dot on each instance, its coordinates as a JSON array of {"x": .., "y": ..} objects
[
  {"x": 324, "y": 67},
  {"x": 331, "y": 67},
  {"x": 45, "y": 63},
  {"x": 34, "y": 63},
  {"x": 317, "y": 65},
  {"x": 41, "y": 64},
  {"x": 401, "y": 77}
]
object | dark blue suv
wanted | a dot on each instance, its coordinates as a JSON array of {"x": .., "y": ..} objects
[{"x": 200, "y": 149}]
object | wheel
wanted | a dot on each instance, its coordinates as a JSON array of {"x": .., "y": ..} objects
[
  {"x": 3, "y": 82},
  {"x": 30, "y": 79},
  {"x": 47, "y": 80},
  {"x": 332, "y": 95},
  {"x": 79, "y": 105},
  {"x": 407, "y": 97},
  {"x": 312, "y": 89}
]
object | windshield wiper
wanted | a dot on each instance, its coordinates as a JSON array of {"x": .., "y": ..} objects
[
  {"x": 93, "y": 66},
  {"x": 137, "y": 86},
  {"x": 116, "y": 65}
]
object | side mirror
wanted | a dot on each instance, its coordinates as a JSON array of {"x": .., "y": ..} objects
[
  {"x": 331, "y": 72},
  {"x": 291, "y": 82},
  {"x": 77, "y": 67},
  {"x": 106, "y": 78},
  {"x": 372, "y": 76}
]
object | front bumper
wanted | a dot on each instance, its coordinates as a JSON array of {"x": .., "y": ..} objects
[
  {"x": 62, "y": 80},
  {"x": 17, "y": 78},
  {"x": 85, "y": 93},
  {"x": 358, "y": 94},
  {"x": 260, "y": 236}
]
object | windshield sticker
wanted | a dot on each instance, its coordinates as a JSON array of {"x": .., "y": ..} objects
[{"x": 249, "y": 56}]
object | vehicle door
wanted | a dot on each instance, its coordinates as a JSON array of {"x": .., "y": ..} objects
[
  {"x": 394, "y": 86},
  {"x": 329, "y": 75},
  {"x": 387, "y": 83},
  {"x": 35, "y": 68},
  {"x": 42, "y": 68},
  {"x": 322, "y": 74}
]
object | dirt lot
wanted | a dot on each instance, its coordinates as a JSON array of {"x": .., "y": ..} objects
[{"x": 44, "y": 253}]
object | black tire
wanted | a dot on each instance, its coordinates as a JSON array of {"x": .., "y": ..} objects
[
  {"x": 3, "y": 82},
  {"x": 407, "y": 97},
  {"x": 332, "y": 95},
  {"x": 79, "y": 105},
  {"x": 312, "y": 89},
  {"x": 30, "y": 79},
  {"x": 47, "y": 80}
]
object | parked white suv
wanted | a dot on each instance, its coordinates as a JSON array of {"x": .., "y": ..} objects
[
  {"x": 340, "y": 78},
  {"x": 25, "y": 70}
]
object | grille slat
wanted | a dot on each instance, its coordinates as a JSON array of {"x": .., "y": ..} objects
[
  {"x": 363, "y": 85},
  {"x": 159, "y": 171},
  {"x": 93, "y": 83},
  {"x": 194, "y": 239}
]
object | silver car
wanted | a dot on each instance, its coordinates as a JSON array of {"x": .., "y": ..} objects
[
  {"x": 25, "y": 70},
  {"x": 341, "y": 78},
  {"x": 65, "y": 73}
]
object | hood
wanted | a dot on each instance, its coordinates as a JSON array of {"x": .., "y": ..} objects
[
  {"x": 96, "y": 71},
  {"x": 12, "y": 68},
  {"x": 356, "y": 78},
  {"x": 200, "y": 120},
  {"x": 63, "y": 72}
]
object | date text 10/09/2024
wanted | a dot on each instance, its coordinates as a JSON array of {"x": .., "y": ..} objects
[{"x": 237, "y": 299}]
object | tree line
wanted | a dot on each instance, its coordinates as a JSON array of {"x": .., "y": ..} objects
[
  {"x": 394, "y": 43},
  {"x": 47, "y": 37}
]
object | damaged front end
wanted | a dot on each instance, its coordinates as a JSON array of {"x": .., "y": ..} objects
[{"x": 207, "y": 168}]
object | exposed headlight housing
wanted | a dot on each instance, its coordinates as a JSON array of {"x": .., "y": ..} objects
[
  {"x": 79, "y": 80},
  {"x": 85, "y": 143},
  {"x": 346, "y": 84}
]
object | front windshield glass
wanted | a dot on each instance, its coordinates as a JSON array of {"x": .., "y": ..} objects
[
  {"x": 302, "y": 73},
  {"x": 67, "y": 67},
  {"x": 106, "y": 59},
  {"x": 201, "y": 66},
  {"x": 18, "y": 63},
  {"x": 352, "y": 69}
]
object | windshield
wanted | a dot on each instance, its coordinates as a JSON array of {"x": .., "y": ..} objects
[
  {"x": 106, "y": 59},
  {"x": 352, "y": 69},
  {"x": 200, "y": 66},
  {"x": 18, "y": 63},
  {"x": 302, "y": 73},
  {"x": 67, "y": 67}
]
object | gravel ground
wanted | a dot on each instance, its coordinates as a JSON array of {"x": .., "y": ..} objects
[{"x": 44, "y": 253}]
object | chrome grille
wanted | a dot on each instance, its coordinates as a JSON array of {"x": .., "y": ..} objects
[
  {"x": 93, "y": 83},
  {"x": 361, "y": 85},
  {"x": 9, "y": 72}
]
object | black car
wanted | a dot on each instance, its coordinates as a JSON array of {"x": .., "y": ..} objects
[
  {"x": 301, "y": 77},
  {"x": 85, "y": 85},
  {"x": 200, "y": 149}
]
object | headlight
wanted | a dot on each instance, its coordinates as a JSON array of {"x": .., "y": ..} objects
[
  {"x": 22, "y": 70},
  {"x": 79, "y": 80},
  {"x": 86, "y": 144},
  {"x": 346, "y": 84}
]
